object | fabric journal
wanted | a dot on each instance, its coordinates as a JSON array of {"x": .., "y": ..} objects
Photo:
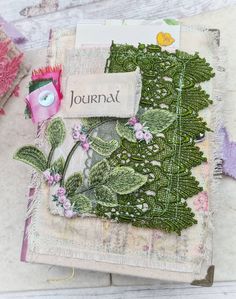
[{"x": 131, "y": 186}]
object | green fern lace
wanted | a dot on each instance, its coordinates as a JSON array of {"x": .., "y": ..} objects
[{"x": 169, "y": 82}]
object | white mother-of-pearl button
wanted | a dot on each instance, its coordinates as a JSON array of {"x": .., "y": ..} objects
[{"x": 46, "y": 98}]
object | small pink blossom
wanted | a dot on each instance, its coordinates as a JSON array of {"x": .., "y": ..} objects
[
  {"x": 69, "y": 213},
  {"x": 145, "y": 248},
  {"x": 83, "y": 138},
  {"x": 77, "y": 127},
  {"x": 133, "y": 120},
  {"x": 76, "y": 135},
  {"x": 86, "y": 146},
  {"x": 138, "y": 127},
  {"x": 147, "y": 136},
  {"x": 61, "y": 191},
  {"x": 50, "y": 180},
  {"x": 139, "y": 135},
  {"x": 57, "y": 177},
  {"x": 46, "y": 175},
  {"x": 62, "y": 199},
  {"x": 201, "y": 202},
  {"x": 67, "y": 205}
]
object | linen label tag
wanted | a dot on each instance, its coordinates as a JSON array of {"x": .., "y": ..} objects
[{"x": 98, "y": 95}]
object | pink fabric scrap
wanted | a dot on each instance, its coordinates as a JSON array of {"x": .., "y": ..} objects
[
  {"x": 39, "y": 111},
  {"x": 50, "y": 72}
]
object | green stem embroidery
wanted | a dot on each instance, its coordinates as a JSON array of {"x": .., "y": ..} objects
[
  {"x": 67, "y": 162},
  {"x": 50, "y": 156}
]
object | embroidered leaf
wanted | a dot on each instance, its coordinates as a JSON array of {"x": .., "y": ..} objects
[
  {"x": 81, "y": 203},
  {"x": 56, "y": 132},
  {"x": 33, "y": 156},
  {"x": 98, "y": 172},
  {"x": 103, "y": 148},
  {"x": 105, "y": 196},
  {"x": 171, "y": 22},
  {"x": 73, "y": 183},
  {"x": 157, "y": 120},
  {"x": 124, "y": 180},
  {"x": 58, "y": 165},
  {"x": 125, "y": 131}
]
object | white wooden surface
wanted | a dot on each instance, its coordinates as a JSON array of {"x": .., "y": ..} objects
[
  {"x": 160, "y": 291},
  {"x": 34, "y": 18}
]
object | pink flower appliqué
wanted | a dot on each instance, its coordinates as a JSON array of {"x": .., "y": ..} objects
[{"x": 201, "y": 202}]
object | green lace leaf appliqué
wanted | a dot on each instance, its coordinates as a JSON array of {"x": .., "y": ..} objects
[
  {"x": 105, "y": 196},
  {"x": 33, "y": 156},
  {"x": 102, "y": 147},
  {"x": 56, "y": 132},
  {"x": 157, "y": 120},
  {"x": 98, "y": 172},
  {"x": 124, "y": 180},
  {"x": 125, "y": 131},
  {"x": 73, "y": 183},
  {"x": 81, "y": 203}
]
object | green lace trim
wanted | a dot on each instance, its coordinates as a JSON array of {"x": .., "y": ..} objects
[{"x": 170, "y": 83}]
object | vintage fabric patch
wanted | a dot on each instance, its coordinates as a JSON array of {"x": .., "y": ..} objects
[{"x": 102, "y": 95}]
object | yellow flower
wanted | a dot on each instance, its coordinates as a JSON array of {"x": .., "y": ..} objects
[{"x": 164, "y": 39}]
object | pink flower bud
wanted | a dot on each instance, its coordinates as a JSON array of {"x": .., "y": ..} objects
[
  {"x": 46, "y": 175},
  {"x": 77, "y": 127},
  {"x": 86, "y": 146},
  {"x": 57, "y": 177},
  {"x": 61, "y": 191},
  {"x": 67, "y": 205},
  {"x": 132, "y": 121},
  {"x": 138, "y": 127},
  {"x": 69, "y": 213},
  {"x": 147, "y": 137},
  {"x": 62, "y": 199},
  {"x": 83, "y": 138},
  {"x": 50, "y": 180},
  {"x": 76, "y": 135},
  {"x": 139, "y": 135}
]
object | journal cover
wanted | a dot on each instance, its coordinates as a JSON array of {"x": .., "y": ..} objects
[{"x": 131, "y": 195}]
